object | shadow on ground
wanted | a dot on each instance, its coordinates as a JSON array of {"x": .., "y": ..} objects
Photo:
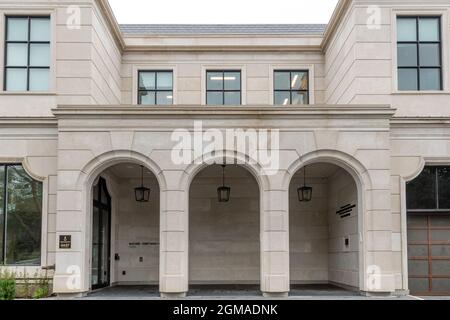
[{"x": 226, "y": 292}]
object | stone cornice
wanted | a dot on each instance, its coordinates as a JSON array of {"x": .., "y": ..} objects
[
  {"x": 404, "y": 122},
  {"x": 112, "y": 23},
  {"x": 335, "y": 21},
  {"x": 28, "y": 122},
  {"x": 239, "y": 112}
]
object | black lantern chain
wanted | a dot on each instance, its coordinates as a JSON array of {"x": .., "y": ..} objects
[
  {"x": 142, "y": 194},
  {"x": 305, "y": 192},
  {"x": 223, "y": 192}
]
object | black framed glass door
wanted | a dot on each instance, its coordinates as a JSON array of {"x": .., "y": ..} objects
[{"x": 101, "y": 236}]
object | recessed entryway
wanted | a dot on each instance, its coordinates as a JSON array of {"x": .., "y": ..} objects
[
  {"x": 125, "y": 227},
  {"x": 324, "y": 240},
  {"x": 224, "y": 229}
]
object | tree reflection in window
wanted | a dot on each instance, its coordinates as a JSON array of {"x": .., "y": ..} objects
[
  {"x": 22, "y": 222},
  {"x": 430, "y": 191}
]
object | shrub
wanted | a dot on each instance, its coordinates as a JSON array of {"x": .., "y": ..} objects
[
  {"x": 42, "y": 287},
  {"x": 7, "y": 285},
  {"x": 40, "y": 292}
]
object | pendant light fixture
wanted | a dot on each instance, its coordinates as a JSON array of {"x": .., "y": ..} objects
[
  {"x": 142, "y": 193},
  {"x": 223, "y": 192},
  {"x": 304, "y": 193}
]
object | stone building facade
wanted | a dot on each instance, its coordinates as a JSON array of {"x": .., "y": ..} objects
[{"x": 91, "y": 109}]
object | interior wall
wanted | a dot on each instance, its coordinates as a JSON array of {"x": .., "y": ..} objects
[
  {"x": 224, "y": 237},
  {"x": 308, "y": 236},
  {"x": 343, "y": 259},
  {"x": 135, "y": 232},
  {"x": 317, "y": 234}
]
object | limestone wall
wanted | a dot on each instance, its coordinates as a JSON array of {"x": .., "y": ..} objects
[
  {"x": 224, "y": 244},
  {"x": 343, "y": 265}
]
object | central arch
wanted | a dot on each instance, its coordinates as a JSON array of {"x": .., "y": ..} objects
[
  {"x": 239, "y": 166},
  {"x": 224, "y": 245}
]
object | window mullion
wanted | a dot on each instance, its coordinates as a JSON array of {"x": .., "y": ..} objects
[
  {"x": 418, "y": 53},
  {"x": 223, "y": 87}
]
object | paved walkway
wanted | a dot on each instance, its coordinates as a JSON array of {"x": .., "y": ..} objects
[{"x": 300, "y": 292}]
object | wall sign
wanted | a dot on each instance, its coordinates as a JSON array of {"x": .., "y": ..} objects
[
  {"x": 346, "y": 211},
  {"x": 65, "y": 242}
]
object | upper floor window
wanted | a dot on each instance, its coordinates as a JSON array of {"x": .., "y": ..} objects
[
  {"x": 291, "y": 87},
  {"x": 430, "y": 191},
  {"x": 27, "y": 54},
  {"x": 155, "y": 88},
  {"x": 20, "y": 217},
  {"x": 223, "y": 87},
  {"x": 419, "y": 53}
]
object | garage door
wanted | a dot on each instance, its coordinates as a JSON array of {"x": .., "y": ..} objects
[{"x": 429, "y": 254}]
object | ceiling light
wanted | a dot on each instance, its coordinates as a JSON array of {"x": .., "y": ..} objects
[{"x": 294, "y": 81}]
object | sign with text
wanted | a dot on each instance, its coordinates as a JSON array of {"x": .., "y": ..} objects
[{"x": 65, "y": 242}]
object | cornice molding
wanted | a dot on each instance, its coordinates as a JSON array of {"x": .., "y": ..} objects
[
  {"x": 408, "y": 122},
  {"x": 222, "y": 48},
  {"x": 112, "y": 23},
  {"x": 28, "y": 122},
  {"x": 254, "y": 112},
  {"x": 335, "y": 21}
]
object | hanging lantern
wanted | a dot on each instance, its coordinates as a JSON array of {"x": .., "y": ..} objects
[
  {"x": 223, "y": 192},
  {"x": 142, "y": 194},
  {"x": 304, "y": 193}
]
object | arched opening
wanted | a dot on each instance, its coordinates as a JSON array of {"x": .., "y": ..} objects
[
  {"x": 224, "y": 236},
  {"x": 125, "y": 227},
  {"x": 324, "y": 232}
]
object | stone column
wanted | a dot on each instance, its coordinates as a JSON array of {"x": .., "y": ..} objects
[
  {"x": 71, "y": 275},
  {"x": 174, "y": 259},
  {"x": 275, "y": 243}
]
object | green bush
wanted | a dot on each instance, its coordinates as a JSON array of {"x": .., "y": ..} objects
[
  {"x": 7, "y": 285},
  {"x": 42, "y": 287},
  {"x": 41, "y": 292}
]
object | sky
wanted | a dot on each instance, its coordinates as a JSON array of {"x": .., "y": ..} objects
[{"x": 222, "y": 11}]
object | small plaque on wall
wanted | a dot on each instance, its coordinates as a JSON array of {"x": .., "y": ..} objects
[{"x": 65, "y": 242}]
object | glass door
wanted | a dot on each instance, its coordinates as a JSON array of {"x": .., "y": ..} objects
[{"x": 101, "y": 236}]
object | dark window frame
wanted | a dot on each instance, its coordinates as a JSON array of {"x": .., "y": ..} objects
[
  {"x": 156, "y": 90},
  {"x": 28, "y": 43},
  {"x": 431, "y": 211},
  {"x": 5, "y": 218},
  {"x": 290, "y": 84},
  {"x": 102, "y": 186},
  {"x": 417, "y": 43},
  {"x": 223, "y": 91}
]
